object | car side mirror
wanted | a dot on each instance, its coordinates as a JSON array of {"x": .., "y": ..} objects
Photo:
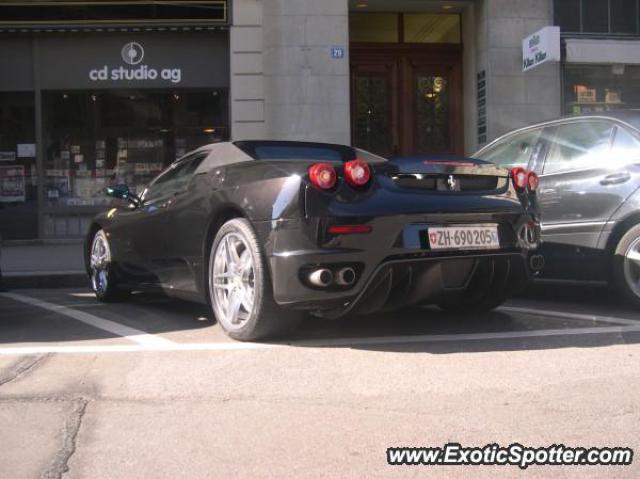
[{"x": 122, "y": 192}]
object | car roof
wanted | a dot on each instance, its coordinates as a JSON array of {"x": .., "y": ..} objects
[{"x": 630, "y": 117}]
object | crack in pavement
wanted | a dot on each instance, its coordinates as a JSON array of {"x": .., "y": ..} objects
[
  {"x": 60, "y": 463},
  {"x": 20, "y": 368}
]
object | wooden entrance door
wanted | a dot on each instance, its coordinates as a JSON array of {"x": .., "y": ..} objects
[{"x": 406, "y": 100}]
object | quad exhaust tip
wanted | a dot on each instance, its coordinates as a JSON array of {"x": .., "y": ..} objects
[
  {"x": 346, "y": 277},
  {"x": 321, "y": 277}
]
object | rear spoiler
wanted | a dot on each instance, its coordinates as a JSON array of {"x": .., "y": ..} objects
[{"x": 447, "y": 165}]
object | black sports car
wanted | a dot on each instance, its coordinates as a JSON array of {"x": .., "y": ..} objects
[{"x": 264, "y": 229}]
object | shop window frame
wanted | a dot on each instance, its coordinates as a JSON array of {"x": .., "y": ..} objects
[{"x": 608, "y": 33}]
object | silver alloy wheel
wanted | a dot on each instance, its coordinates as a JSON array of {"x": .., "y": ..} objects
[
  {"x": 632, "y": 266},
  {"x": 232, "y": 277},
  {"x": 99, "y": 263}
]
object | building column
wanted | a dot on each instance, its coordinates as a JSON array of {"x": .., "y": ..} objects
[
  {"x": 306, "y": 87},
  {"x": 514, "y": 98},
  {"x": 247, "y": 75}
]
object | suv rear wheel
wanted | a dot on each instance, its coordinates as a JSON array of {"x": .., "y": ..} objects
[{"x": 626, "y": 266}]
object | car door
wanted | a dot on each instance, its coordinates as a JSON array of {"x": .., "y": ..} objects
[
  {"x": 185, "y": 217},
  {"x": 144, "y": 226},
  {"x": 580, "y": 188}
]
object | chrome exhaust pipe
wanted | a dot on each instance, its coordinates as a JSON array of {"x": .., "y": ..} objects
[
  {"x": 536, "y": 262},
  {"x": 321, "y": 277},
  {"x": 346, "y": 277}
]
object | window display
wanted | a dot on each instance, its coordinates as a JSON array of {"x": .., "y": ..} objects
[
  {"x": 18, "y": 172},
  {"x": 95, "y": 139},
  {"x": 594, "y": 88}
]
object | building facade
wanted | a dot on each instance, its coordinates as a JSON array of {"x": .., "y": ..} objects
[{"x": 103, "y": 94}]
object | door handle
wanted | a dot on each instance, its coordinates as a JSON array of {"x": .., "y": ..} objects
[{"x": 615, "y": 178}]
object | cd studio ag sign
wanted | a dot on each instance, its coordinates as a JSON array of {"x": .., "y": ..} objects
[{"x": 133, "y": 68}]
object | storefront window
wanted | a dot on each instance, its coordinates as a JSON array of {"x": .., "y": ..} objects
[
  {"x": 18, "y": 173},
  {"x": 611, "y": 17},
  {"x": 97, "y": 138},
  {"x": 597, "y": 88}
]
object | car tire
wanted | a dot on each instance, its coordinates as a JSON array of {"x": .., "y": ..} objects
[
  {"x": 626, "y": 266},
  {"x": 240, "y": 289},
  {"x": 103, "y": 280},
  {"x": 487, "y": 289}
]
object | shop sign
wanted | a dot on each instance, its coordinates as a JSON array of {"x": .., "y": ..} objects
[
  {"x": 132, "y": 55},
  {"x": 12, "y": 184},
  {"x": 136, "y": 60},
  {"x": 541, "y": 47}
]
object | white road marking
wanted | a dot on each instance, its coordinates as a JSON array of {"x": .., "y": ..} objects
[
  {"x": 326, "y": 343},
  {"x": 574, "y": 316},
  {"x": 132, "y": 334}
]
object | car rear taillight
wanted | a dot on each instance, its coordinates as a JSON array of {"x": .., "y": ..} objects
[
  {"x": 533, "y": 181},
  {"x": 357, "y": 173},
  {"x": 520, "y": 178},
  {"x": 323, "y": 175}
]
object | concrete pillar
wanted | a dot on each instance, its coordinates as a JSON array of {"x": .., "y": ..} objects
[
  {"x": 514, "y": 98},
  {"x": 247, "y": 72},
  {"x": 306, "y": 90}
]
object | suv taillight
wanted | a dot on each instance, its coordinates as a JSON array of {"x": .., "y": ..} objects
[
  {"x": 323, "y": 175},
  {"x": 520, "y": 177},
  {"x": 357, "y": 173},
  {"x": 533, "y": 181}
]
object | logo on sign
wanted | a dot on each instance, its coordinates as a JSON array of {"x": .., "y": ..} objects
[
  {"x": 451, "y": 182},
  {"x": 132, "y": 54}
]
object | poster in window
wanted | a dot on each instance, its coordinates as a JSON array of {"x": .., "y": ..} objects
[
  {"x": 7, "y": 155},
  {"x": 12, "y": 184},
  {"x": 26, "y": 150}
]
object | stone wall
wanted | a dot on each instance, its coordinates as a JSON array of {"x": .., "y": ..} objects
[
  {"x": 515, "y": 98},
  {"x": 306, "y": 90}
]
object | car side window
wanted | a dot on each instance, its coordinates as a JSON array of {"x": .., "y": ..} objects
[
  {"x": 579, "y": 145},
  {"x": 626, "y": 147},
  {"x": 175, "y": 179},
  {"x": 514, "y": 150}
]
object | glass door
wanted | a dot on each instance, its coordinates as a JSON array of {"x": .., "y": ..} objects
[
  {"x": 372, "y": 108},
  {"x": 434, "y": 110}
]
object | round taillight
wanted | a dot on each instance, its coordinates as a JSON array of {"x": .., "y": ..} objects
[
  {"x": 532, "y": 181},
  {"x": 357, "y": 173},
  {"x": 520, "y": 178},
  {"x": 323, "y": 175}
]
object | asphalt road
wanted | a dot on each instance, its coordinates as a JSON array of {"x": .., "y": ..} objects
[{"x": 151, "y": 388}]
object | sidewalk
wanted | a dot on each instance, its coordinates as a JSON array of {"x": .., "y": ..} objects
[{"x": 39, "y": 265}]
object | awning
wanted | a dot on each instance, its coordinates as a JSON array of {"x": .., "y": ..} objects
[{"x": 602, "y": 51}]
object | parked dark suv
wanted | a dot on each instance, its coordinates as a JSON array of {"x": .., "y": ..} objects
[{"x": 589, "y": 169}]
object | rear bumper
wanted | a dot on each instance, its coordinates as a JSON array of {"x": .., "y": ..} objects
[{"x": 393, "y": 266}]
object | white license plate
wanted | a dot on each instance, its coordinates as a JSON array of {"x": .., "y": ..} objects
[{"x": 463, "y": 237}]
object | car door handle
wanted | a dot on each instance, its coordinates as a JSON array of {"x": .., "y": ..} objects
[{"x": 615, "y": 178}]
